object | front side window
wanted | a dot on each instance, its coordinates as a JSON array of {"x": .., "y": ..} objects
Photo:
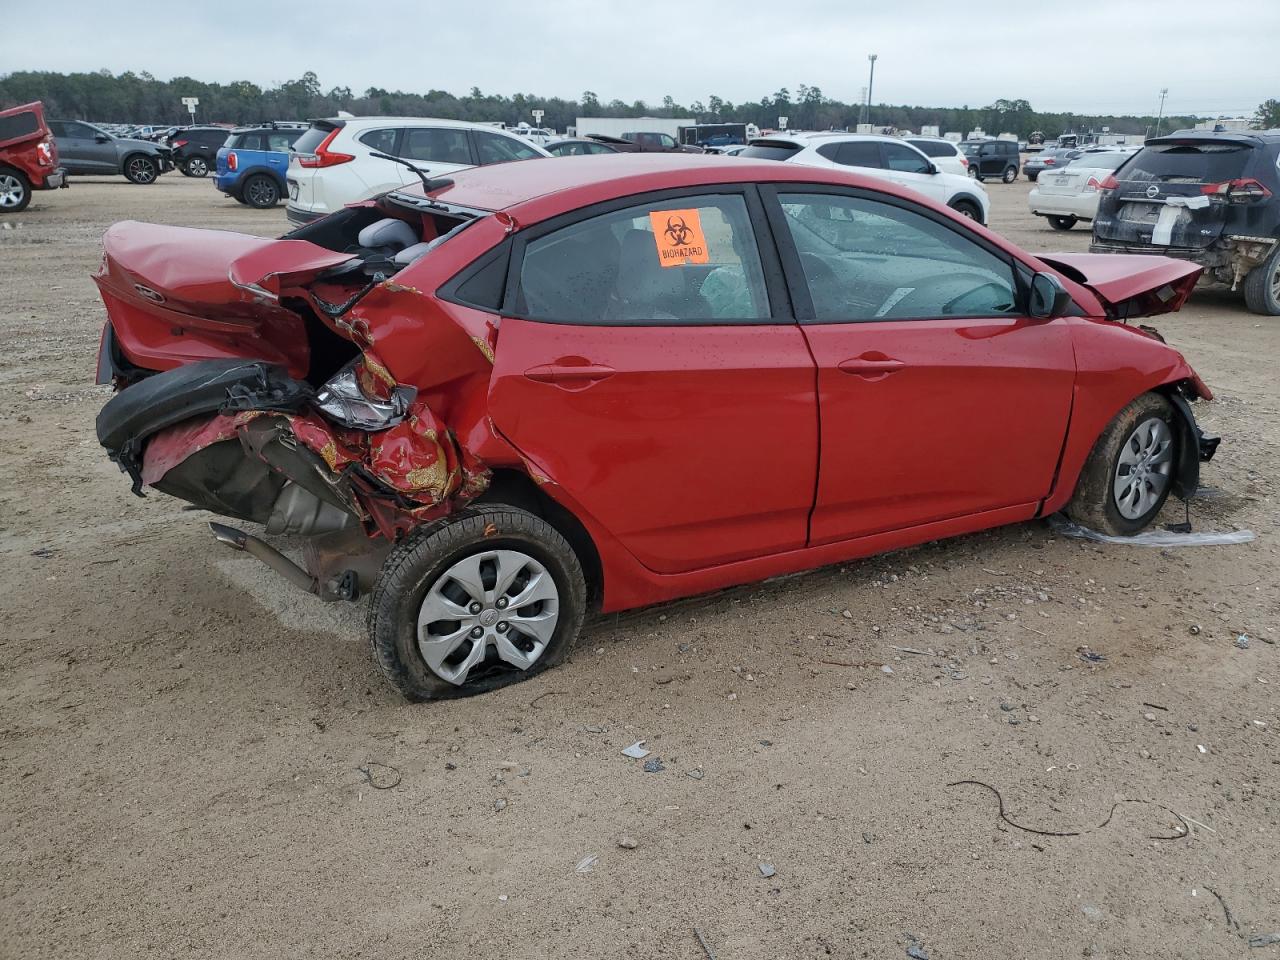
[
  {"x": 904, "y": 159},
  {"x": 495, "y": 148},
  {"x": 868, "y": 260},
  {"x": 687, "y": 260},
  {"x": 436, "y": 145},
  {"x": 667, "y": 141}
]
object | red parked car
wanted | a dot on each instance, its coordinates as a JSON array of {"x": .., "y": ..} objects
[
  {"x": 28, "y": 157},
  {"x": 502, "y": 399}
]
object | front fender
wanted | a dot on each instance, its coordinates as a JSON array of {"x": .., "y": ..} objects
[{"x": 1114, "y": 365}]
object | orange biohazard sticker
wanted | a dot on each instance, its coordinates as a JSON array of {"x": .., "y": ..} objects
[{"x": 679, "y": 238}]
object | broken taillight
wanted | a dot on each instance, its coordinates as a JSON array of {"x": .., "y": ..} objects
[
  {"x": 1245, "y": 190},
  {"x": 179, "y": 143},
  {"x": 44, "y": 153},
  {"x": 233, "y": 162},
  {"x": 324, "y": 157},
  {"x": 346, "y": 399}
]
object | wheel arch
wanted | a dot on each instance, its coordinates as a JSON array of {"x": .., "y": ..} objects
[{"x": 518, "y": 489}]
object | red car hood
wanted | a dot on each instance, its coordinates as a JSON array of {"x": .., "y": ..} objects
[{"x": 1130, "y": 285}]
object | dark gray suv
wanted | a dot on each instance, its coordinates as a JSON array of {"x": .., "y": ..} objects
[
  {"x": 992, "y": 158},
  {"x": 87, "y": 150}
]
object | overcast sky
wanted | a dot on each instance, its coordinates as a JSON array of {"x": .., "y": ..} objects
[{"x": 1084, "y": 56}]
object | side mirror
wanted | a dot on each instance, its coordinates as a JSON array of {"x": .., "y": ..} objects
[
  {"x": 101, "y": 138},
  {"x": 1049, "y": 298},
  {"x": 933, "y": 169}
]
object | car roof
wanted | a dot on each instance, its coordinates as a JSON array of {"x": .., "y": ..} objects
[
  {"x": 407, "y": 122},
  {"x": 1238, "y": 136},
  {"x": 569, "y": 183}
]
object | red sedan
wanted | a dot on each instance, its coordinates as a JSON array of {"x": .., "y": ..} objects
[{"x": 504, "y": 399}]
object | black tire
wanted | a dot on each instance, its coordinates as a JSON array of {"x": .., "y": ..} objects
[
  {"x": 197, "y": 167},
  {"x": 15, "y": 190},
  {"x": 973, "y": 171},
  {"x": 141, "y": 169},
  {"x": 260, "y": 192},
  {"x": 967, "y": 208},
  {"x": 1262, "y": 286},
  {"x": 1061, "y": 223},
  {"x": 424, "y": 557},
  {"x": 1094, "y": 503},
  {"x": 1010, "y": 174}
]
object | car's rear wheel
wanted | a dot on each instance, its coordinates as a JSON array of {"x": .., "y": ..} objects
[
  {"x": 1061, "y": 223},
  {"x": 1130, "y": 471},
  {"x": 1262, "y": 286},
  {"x": 260, "y": 192},
  {"x": 1010, "y": 174},
  {"x": 1032, "y": 177},
  {"x": 196, "y": 167},
  {"x": 140, "y": 169},
  {"x": 488, "y": 597},
  {"x": 15, "y": 191}
]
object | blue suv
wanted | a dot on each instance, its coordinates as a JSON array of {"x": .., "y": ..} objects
[{"x": 251, "y": 165}]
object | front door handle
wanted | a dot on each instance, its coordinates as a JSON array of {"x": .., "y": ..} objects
[
  {"x": 871, "y": 367},
  {"x": 570, "y": 374}
]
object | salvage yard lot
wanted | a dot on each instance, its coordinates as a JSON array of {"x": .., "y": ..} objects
[{"x": 198, "y": 761}]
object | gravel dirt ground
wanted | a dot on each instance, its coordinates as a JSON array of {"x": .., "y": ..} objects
[{"x": 197, "y": 762}]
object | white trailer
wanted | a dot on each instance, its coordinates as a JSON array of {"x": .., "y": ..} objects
[{"x": 617, "y": 126}]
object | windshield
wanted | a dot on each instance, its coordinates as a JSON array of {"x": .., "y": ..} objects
[
  {"x": 770, "y": 150},
  {"x": 1189, "y": 162}
]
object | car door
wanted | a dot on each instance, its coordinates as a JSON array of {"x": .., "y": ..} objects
[
  {"x": 939, "y": 396},
  {"x": 76, "y": 147},
  {"x": 913, "y": 170},
  {"x": 645, "y": 364}
]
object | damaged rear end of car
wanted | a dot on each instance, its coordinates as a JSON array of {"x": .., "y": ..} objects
[{"x": 304, "y": 384}]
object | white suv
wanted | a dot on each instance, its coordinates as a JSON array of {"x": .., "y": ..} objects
[
  {"x": 332, "y": 164},
  {"x": 885, "y": 157}
]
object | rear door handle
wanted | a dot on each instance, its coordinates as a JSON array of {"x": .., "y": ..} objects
[
  {"x": 567, "y": 374},
  {"x": 871, "y": 368}
]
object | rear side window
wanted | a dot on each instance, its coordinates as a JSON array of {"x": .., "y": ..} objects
[
  {"x": 250, "y": 141},
  {"x": 18, "y": 125},
  {"x": 280, "y": 142},
  {"x": 771, "y": 150},
  {"x": 860, "y": 153},
  {"x": 436, "y": 145},
  {"x": 495, "y": 148},
  {"x": 383, "y": 141},
  {"x": 1189, "y": 163},
  {"x": 685, "y": 260},
  {"x": 312, "y": 138}
]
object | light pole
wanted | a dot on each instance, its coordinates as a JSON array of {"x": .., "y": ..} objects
[
  {"x": 871, "y": 82},
  {"x": 1164, "y": 92}
]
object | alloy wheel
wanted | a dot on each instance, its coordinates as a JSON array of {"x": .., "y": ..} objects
[
  {"x": 11, "y": 191},
  {"x": 1143, "y": 469},
  {"x": 261, "y": 193},
  {"x": 491, "y": 610},
  {"x": 197, "y": 167},
  {"x": 141, "y": 170}
]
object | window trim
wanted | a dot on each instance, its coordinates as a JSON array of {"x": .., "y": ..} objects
[
  {"x": 780, "y": 310},
  {"x": 793, "y": 269},
  {"x": 449, "y": 290}
]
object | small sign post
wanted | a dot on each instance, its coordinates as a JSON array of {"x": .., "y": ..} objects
[
  {"x": 191, "y": 103},
  {"x": 782, "y": 123},
  {"x": 537, "y": 117}
]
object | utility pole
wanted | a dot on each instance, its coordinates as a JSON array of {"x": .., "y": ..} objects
[
  {"x": 871, "y": 82},
  {"x": 1164, "y": 92}
]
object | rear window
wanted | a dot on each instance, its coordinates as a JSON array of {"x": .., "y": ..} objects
[
  {"x": 1100, "y": 161},
  {"x": 770, "y": 150},
  {"x": 934, "y": 148},
  {"x": 314, "y": 136},
  {"x": 18, "y": 125},
  {"x": 1189, "y": 163}
]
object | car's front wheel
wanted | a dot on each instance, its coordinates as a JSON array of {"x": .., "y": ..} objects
[
  {"x": 1130, "y": 471},
  {"x": 967, "y": 208},
  {"x": 1061, "y": 223},
  {"x": 1262, "y": 286},
  {"x": 196, "y": 167},
  {"x": 140, "y": 169},
  {"x": 15, "y": 191},
  {"x": 488, "y": 597}
]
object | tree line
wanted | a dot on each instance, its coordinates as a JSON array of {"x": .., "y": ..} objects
[{"x": 141, "y": 98}]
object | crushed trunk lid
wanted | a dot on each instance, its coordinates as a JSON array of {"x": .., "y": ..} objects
[{"x": 1130, "y": 285}]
